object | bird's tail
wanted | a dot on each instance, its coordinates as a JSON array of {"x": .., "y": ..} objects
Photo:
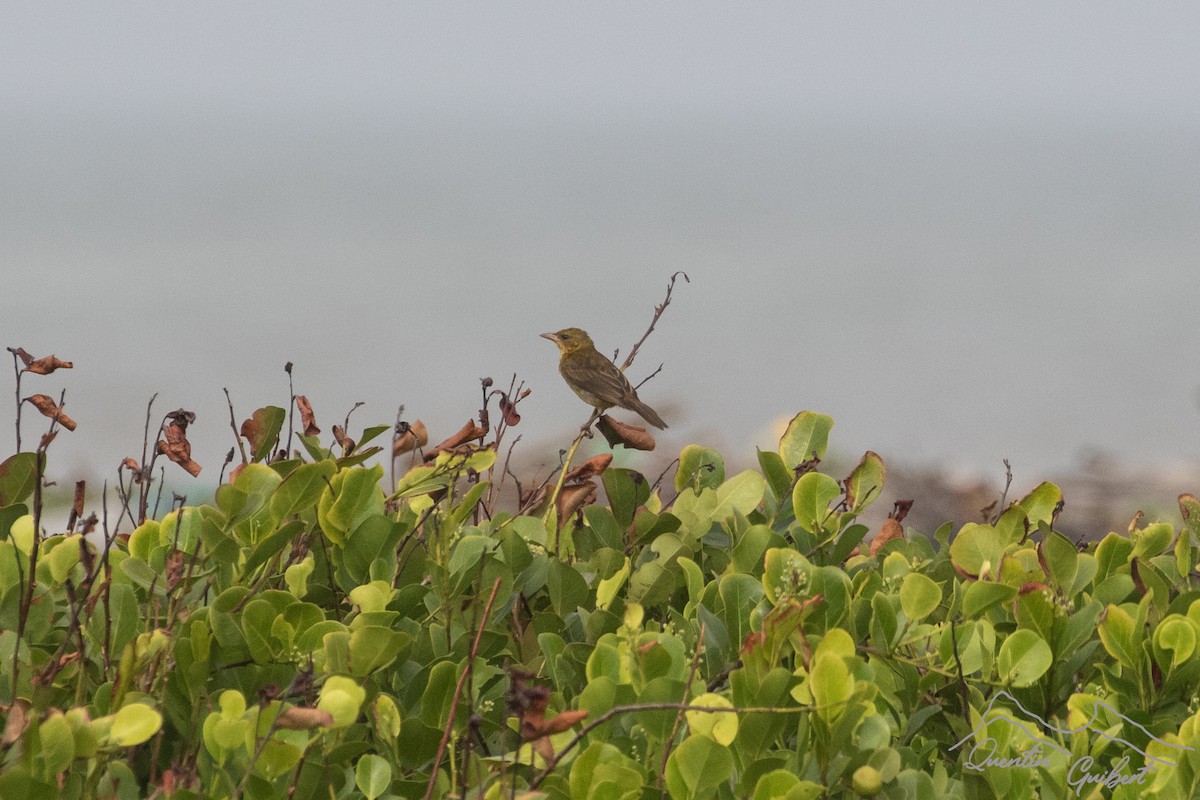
[{"x": 647, "y": 413}]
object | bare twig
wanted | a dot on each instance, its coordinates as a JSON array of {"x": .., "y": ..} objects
[
  {"x": 291, "y": 407},
  {"x": 636, "y": 708},
  {"x": 1008, "y": 478},
  {"x": 237, "y": 436},
  {"x": 487, "y": 609},
  {"x": 658, "y": 312},
  {"x": 662, "y": 768}
]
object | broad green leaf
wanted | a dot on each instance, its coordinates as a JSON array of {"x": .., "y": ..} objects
[
  {"x": 811, "y": 498},
  {"x": 1040, "y": 504},
  {"x": 1024, "y": 657},
  {"x": 57, "y": 741},
  {"x": 1117, "y": 633},
  {"x": 301, "y": 489},
  {"x": 741, "y": 494},
  {"x": 977, "y": 550},
  {"x": 134, "y": 724},
  {"x": 1153, "y": 540},
  {"x": 721, "y": 727},
  {"x": 262, "y": 430},
  {"x": 831, "y": 685},
  {"x": 806, "y": 436},
  {"x": 1176, "y": 634},
  {"x": 1060, "y": 558},
  {"x": 607, "y": 588},
  {"x": 865, "y": 482},
  {"x": 352, "y": 496},
  {"x": 372, "y": 775},
  {"x": 18, "y": 475},
  {"x": 696, "y": 767},
  {"x": 980, "y": 596},
  {"x": 342, "y": 698},
  {"x": 699, "y": 467},
  {"x": 63, "y": 558},
  {"x": 919, "y": 596}
]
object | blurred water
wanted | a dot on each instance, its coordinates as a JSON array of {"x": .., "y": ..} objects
[{"x": 953, "y": 293}]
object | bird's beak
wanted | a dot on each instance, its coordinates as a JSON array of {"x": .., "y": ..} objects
[{"x": 551, "y": 336}]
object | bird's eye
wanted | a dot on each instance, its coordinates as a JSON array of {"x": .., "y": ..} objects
[{"x": 565, "y": 336}]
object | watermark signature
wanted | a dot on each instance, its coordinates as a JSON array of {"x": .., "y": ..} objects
[{"x": 1044, "y": 752}]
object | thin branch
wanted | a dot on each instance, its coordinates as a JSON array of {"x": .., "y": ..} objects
[
  {"x": 237, "y": 436},
  {"x": 441, "y": 751},
  {"x": 658, "y": 312},
  {"x": 636, "y": 708},
  {"x": 662, "y": 767}
]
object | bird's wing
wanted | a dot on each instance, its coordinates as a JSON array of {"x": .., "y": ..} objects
[{"x": 599, "y": 377}]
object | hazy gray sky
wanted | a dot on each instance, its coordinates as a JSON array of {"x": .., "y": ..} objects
[
  {"x": 967, "y": 231},
  {"x": 912, "y": 59}
]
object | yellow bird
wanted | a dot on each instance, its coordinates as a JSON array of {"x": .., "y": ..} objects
[{"x": 596, "y": 380}]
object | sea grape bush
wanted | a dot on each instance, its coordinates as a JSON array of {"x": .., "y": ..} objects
[{"x": 317, "y": 632}]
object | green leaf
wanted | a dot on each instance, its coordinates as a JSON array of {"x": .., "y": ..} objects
[
  {"x": 1178, "y": 635},
  {"x": 977, "y": 550},
  {"x": 811, "y": 498},
  {"x": 807, "y": 435},
  {"x": 1153, "y": 540},
  {"x": 721, "y": 727},
  {"x": 1024, "y": 657},
  {"x": 980, "y": 596},
  {"x": 607, "y": 588},
  {"x": 568, "y": 589},
  {"x": 626, "y": 491},
  {"x": 301, "y": 489},
  {"x": 352, "y": 496},
  {"x": 778, "y": 476},
  {"x": 919, "y": 596},
  {"x": 373, "y": 647},
  {"x": 741, "y": 494},
  {"x": 257, "y": 616},
  {"x": 57, "y": 742},
  {"x": 1060, "y": 558},
  {"x": 372, "y": 776},
  {"x": 1117, "y": 633},
  {"x": 262, "y": 430},
  {"x": 134, "y": 724},
  {"x": 1040, "y": 504},
  {"x": 865, "y": 482},
  {"x": 699, "y": 467},
  {"x": 63, "y": 558},
  {"x": 697, "y": 767},
  {"x": 18, "y": 475}
]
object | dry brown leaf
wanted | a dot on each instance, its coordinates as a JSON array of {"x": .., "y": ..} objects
[
  {"x": 44, "y": 366},
  {"x": 49, "y": 408},
  {"x": 891, "y": 529},
  {"x": 590, "y": 468},
  {"x": 20, "y": 353},
  {"x": 17, "y": 722},
  {"x": 509, "y": 409},
  {"x": 307, "y": 417},
  {"x": 468, "y": 432},
  {"x": 341, "y": 438},
  {"x": 573, "y": 498},
  {"x": 175, "y": 445},
  {"x": 409, "y": 437},
  {"x": 632, "y": 436},
  {"x": 303, "y": 719}
]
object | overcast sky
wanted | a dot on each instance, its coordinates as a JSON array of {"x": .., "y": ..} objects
[
  {"x": 967, "y": 231},
  {"x": 847, "y": 57}
]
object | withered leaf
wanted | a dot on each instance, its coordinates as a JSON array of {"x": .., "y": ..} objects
[
  {"x": 410, "y": 438},
  {"x": 302, "y": 719},
  {"x": 509, "y": 409},
  {"x": 590, "y": 468},
  {"x": 891, "y": 529},
  {"x": 632, "y": 436},
  {"x": 342, "y": 438},
  {"x": 17, "y": 722},
  {"x": 307, "y": 417},
  {"x": 182, "y": 417},
  {"x": 20, "y": 353},
  {"x": 536, "y": 729},
  {"x": 44, "y": 366},
  {"x": 49, "y": 408},
  {"x": 175, "y": 445},
  {"x": 466, "y": 433},
  {"x": 573, "y": 498}
]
